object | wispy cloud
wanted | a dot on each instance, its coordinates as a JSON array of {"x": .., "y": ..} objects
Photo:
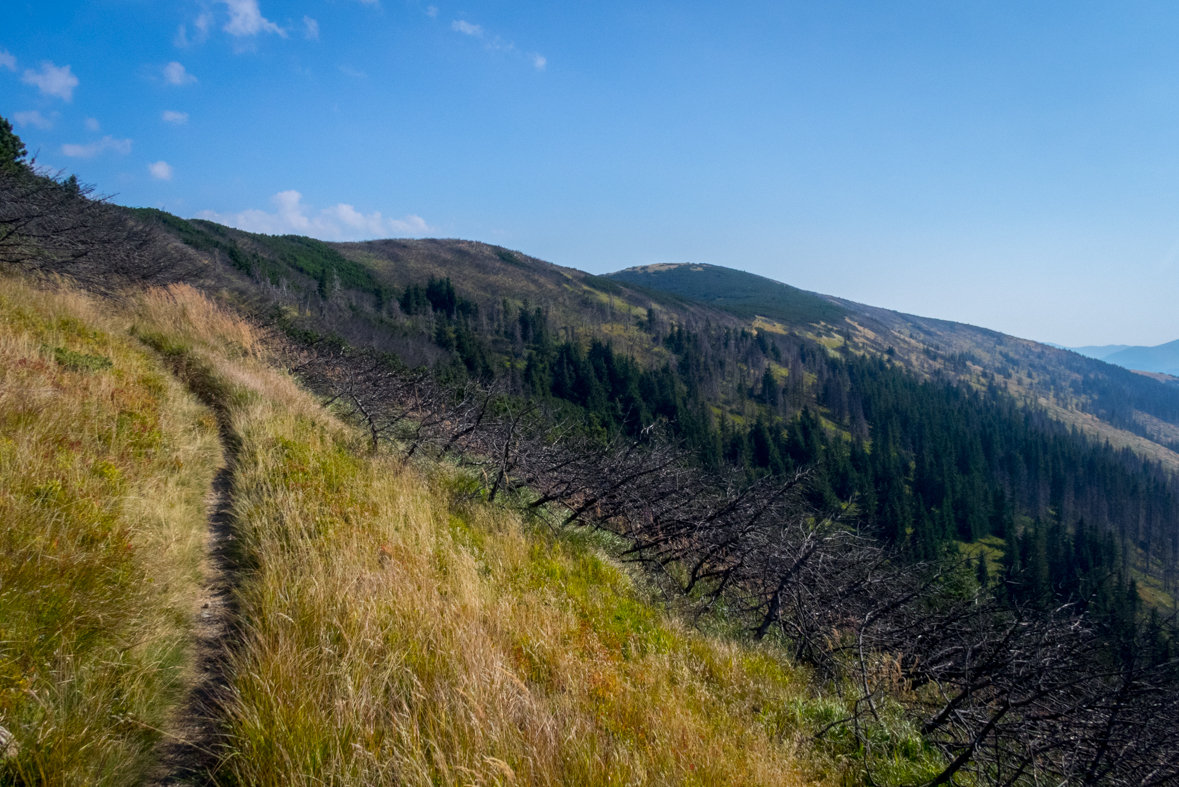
[
  {"x": 465, "y": 27},
  {"x": 202, "y": 24},
  {"x": 177, "y": 74},
  {"x": 92, "y": 124},
  {"x": 161, "y": 170},
  {"x": 245, "y": 19},
  {"x": 7, "y": 60},
  {"x": 92, "y": 149},
  {"x": 496, "y": 43},
  {"x": 52, "y": 80},
  {"x": 352, "y": 72},
  {"x": 431, "y": 10},
  {"x": 178, "y": 118},
  {"x": 32, "y": 118},
  {"x": 310, "y": 28},
  {"x": 340, "y": 222}
]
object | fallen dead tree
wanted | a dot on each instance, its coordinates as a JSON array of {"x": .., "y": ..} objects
[{"x": 1009, "y": 696}]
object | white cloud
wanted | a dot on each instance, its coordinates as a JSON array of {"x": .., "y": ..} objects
[
  {"x": 339, "y": 222},
  {"x": 92, "y": 149},
  {"x": 352, "y": 72},
  {"x": 310, "y": 28},
  {"x": 7, "y": 60},
  {"x": 540, "y": 61},
  {"x": 92, "y": 124},
  {"x": 202, "y": 24},
  {"x": 431, "y": 10},
  {"x": 32, "y": 118},
  {"x": 245, "y": 19},
  {"x": 411, "y": 225},
  {"x": 52, "y": 81},
  {"x": 177, "y": 74},
  {"x": 161, "y": 170},
  {"x": 179, "y": 118},
  {"x": 462, "y": 26}
]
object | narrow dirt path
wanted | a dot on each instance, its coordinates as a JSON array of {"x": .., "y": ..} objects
[{"x": 188, "y": 752}]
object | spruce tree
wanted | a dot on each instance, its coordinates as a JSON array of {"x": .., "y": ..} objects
[
  {"x": 769, "y": 388},
  {"x": 12, "y": 149}
]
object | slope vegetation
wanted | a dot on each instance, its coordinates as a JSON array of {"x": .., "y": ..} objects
[
  {"x": 105, "y": 461},
  {"x": 765, "y": 394},
  {"x": 428, "y": 621},
  {"x": 392, "y": 629},
  {"x": 398, "y": 631}
]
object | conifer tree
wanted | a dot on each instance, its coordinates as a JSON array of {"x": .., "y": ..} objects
[
  {"x": 769, "y": 388},
  {"x": 12, "y": 149}
]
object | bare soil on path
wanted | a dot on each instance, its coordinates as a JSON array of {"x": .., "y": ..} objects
[{"x": 188, "y": 752}]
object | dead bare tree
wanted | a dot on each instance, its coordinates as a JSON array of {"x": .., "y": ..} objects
[{"x": 54, "y": 225}]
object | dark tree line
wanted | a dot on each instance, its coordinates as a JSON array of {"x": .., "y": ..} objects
[{"x": 931, "y": 462}]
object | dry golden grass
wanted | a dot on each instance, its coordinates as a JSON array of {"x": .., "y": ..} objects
[
  {"x": 104, "y": 465},
  {"x": 396, "y": 638}
]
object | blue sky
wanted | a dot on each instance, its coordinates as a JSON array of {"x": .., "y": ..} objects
[{"x": 1009, "y": 164}]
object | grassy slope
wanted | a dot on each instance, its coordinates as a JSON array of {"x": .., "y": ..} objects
[
  {"x": 399, "y": 631},
  {"x": 590, "y": 305},
  {"x": 104, "y": 465}
]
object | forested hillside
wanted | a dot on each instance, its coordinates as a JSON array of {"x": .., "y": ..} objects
[{"x": 940, "y": 433}]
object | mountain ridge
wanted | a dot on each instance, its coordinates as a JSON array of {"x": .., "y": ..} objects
[{"x": 1039, "y": 373}]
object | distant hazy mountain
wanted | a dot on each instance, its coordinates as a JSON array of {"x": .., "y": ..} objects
[
  {"x": 1101, "y": 353},
  {"x": 1163, "y": 358}
]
